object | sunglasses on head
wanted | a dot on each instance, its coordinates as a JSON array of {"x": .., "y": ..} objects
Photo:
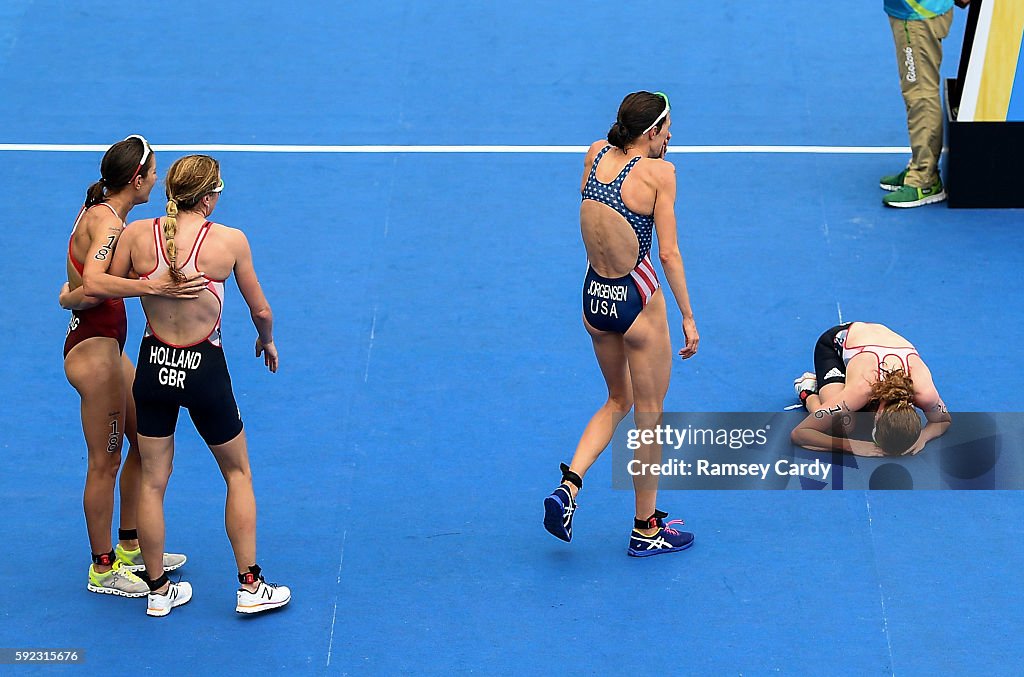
[
  {"x": 661, "y": 117},
  {"x": 146, "y": 150}
]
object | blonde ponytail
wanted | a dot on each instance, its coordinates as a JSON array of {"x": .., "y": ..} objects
[
  {"x": 170, "y": 228},
  {"x": 898, "y": 425},
  {"x": 187, "y": 181},
  {"x": 895, "y": 388}
]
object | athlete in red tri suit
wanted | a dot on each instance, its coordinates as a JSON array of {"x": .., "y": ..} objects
[{"x": 97, "y": 368}]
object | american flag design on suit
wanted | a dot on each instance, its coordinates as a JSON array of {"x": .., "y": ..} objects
[{"x": 646, "y": 279}]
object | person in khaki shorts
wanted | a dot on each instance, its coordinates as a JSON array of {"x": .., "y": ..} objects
[{"x": 918, "y": 29}]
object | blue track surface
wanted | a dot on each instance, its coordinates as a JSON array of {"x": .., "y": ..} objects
[{"x": 433, "y": 367}]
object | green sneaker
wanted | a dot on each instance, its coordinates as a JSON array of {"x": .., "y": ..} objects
[
  {"x": 912, "y": 196},
  {"x": 132, "y": 559},
  {"x": 893, "y": 181},
  {"x": 117, "y": 581}
]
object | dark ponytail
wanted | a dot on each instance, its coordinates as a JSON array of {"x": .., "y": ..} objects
[
  {"x": 619, "y": 135},
  {"x": 637, "y": 112},
  {"x": 94, "y": 194},
  {"x": 119, "y": 166}
]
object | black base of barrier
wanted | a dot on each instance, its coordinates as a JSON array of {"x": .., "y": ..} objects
[{"x": 984, "y": 162}]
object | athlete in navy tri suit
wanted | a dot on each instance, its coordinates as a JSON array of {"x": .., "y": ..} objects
[
  {"x": 181, "y": 364},
  {"x": 864, "y": 366},
  {"x": 628, "y": 192},
  {"x": 96, "y": 366}
]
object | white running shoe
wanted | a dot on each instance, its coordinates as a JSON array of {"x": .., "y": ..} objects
[
  {"x": 132, "y": 559},
  {"x": 267, "y": 596},
  {"x": 117, "y": 581},
  {"x": 807, "y": 381},
  {"x": 177, "y": 594}
]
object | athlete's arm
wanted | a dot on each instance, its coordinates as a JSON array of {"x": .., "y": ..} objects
[
  {"x": 668, "y": 250},
  {"x": 75, "y": 299},
  {"x": 814, "y": 432},
  {"x": 101, "y": 280},
  {"x": 252, "y": 292},
  {"x": 938, "y": 418},
  {"x": 588, "y": 161},
  {"x": 98, "y": 282}
]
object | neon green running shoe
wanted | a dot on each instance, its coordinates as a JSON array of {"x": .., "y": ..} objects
[
  {"x": 912, "y": 196},
  {"x": 117, "y": 581},
  {"x": 132, "y": 559},
  {"x": 893, "y": 181}
]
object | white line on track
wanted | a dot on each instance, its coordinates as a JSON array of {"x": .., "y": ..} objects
[
  {"x": 270, "y": 148},
  {"x": 881, "y": 589},
  {"x": 334, "y": 616}
]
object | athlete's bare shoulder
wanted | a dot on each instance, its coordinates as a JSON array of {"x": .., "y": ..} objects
[
  {"x": 139, "y": 226},
  {"x": 662, "y": 173},
  {"x": 226, "y": 231},
  {"x": 99, "y": 219},
  {"x": 926, "y": 398},
  {"x": 588, "y": 161},
  {"x": 233, "y": 238},
  {"x": 660, "y": 165},
  {"x": 136, "y": 229},
  {"x": 594, "y": 149}
]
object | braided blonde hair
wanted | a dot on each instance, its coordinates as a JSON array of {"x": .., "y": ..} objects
[{"x": 188, "y": 180}]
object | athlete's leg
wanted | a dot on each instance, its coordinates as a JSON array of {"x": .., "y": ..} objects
[
  {"x": 157, "y": 456},
  {"x": 93, "y": 367},
  {"x": 131, "y": 471},
  {"x": 649, "y": 353},
  {"x": 824, "y": 393},
  {"x": 611, "y": 357},
  {"x": 830, "y": 375},
  {"x": 240, "y": 506},
  {"x": 843, "y": 426},
  {"x": 829, "y": 367}
]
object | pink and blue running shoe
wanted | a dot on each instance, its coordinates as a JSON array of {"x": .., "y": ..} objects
[{"x": 665, "y": 540}]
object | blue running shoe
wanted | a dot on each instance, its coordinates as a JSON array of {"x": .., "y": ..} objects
[
  {"x": 558, "y": 510},
  {"x": 665, "y": 540}
]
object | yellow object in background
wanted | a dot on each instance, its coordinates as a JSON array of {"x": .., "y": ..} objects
[{"x": 993, "y": 63}]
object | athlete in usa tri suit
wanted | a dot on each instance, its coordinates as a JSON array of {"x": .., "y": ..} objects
[
  {"x": 628, "y": 192},
  {"x": 859, "y": 366},
  {"x": 181, "y": 364},
  {"x": 97, "y": 368}
]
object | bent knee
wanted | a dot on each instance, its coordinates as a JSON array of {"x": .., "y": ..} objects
[
  {"x": 647, "y": 416},
  {"x": 620, "y": 404},
  {"x": 649, "y": 408}
]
